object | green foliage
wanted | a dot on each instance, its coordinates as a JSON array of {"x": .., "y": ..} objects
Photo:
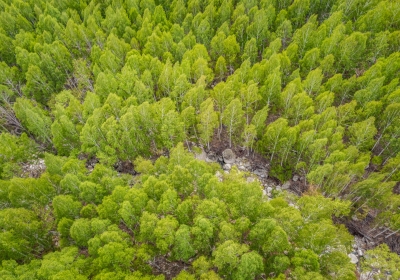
[
  {"x": 15, "y": 151},
  {"x": 33, "y": 118},
  {"x": 312, "y": 86},
  {"x": 22, "y": 234},
  {"x": 381, "y": 260}
]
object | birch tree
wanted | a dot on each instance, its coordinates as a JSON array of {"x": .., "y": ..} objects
[
  {"x": 233, "y": 118},
  {"x": 208, "y": 120}
]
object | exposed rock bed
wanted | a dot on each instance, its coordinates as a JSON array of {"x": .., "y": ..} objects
[{"x": 33, "y": 169}]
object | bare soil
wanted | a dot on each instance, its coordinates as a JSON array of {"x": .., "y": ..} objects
[
  {"x": 219, "y": 144},
  {"x": 170, "y": 269},
  {"x": 125, "y": 167}
]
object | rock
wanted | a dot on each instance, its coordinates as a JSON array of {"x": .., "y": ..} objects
[
  {"x": 242, "y": 168},
  {"x": 265, "y": 193},
  {"x": 353, "y": 258},
  {"x": 286, "y": 185},
  {"x": 369, "y": 275},
  {"x": 229, "y": 156},
  {"x": 227, "y": 166},
  {"x": 250, "y": 179},
  {"x": 278, "y": 188},
  {"x": 261, "y": 172},
  {"x": 269, "y": 191},
  {"x": 354, "y": 218},
  {"x": 359, "y": 243},
  {"x": 226, "y": 171},
  {"x": 211, "y": 157},
  {"x": 360, "y": 252},
  {"x": 296, "y": 178},
  {"x": 202, "y": 156}
]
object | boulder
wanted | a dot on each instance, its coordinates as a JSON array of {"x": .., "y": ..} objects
[
  {"x": 286, "y": 185},
  {"x": 353, "y": 258},
  {"x": 250, "y": 179},
  {"x": 242, "y": 168},
  {"x": 261, "y": 173},
  {"x": 202, "y": 156},
  {"x": 227, "y": 166},
  {"x": 211, "y": 157},
  {"x": 247, "y": 164},
  {"x": 229, "y": 156},
  {"x": 296, "y": 178},
  {"x": 265, "y": 193}
]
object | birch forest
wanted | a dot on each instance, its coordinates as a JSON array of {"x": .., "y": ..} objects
[{"x": 199, "y": 139}]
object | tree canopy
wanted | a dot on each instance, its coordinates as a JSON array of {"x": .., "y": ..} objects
[{"x": 89, "y": 89}]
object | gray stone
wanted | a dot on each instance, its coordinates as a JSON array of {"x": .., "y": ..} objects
[
  {"x": 229, "y": 156},
  {"x": 250, "y": 179},
  {"x": 202, "y": 156},
  {"x": 211, "y": 157},
  {"x": 278, "y": 188},
  {"x": 353, "y": 258},
  {"x": 360, "y": 252},
  {"x": 265, "y": 193},
  {"x": 260, "y": 172},
  {"x": 227, "y": 166},
  {"x": 296, "y": 178},
  {"x": 242, "y": 168},
  {"x": 286, "y": 185},
  {"x": 269, "y": 189}
]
